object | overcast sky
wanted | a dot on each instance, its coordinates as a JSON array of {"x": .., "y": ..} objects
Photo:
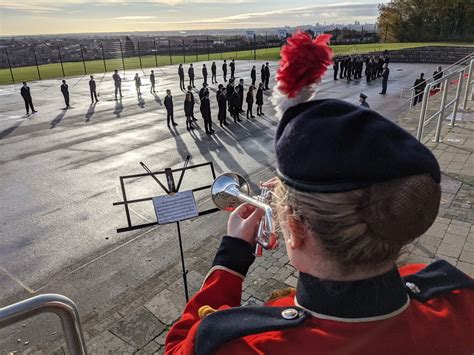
[{"x": 19, "y": 17}]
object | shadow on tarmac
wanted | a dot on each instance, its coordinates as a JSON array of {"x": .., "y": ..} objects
[{"x": 90, "y": 111}]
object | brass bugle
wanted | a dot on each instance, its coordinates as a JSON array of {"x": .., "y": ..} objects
[{"x": 230, "y": 190}]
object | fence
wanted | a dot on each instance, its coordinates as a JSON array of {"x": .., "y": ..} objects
[
  {"x": 451, "y": 87},
  {"x": 52, "y": 60}
]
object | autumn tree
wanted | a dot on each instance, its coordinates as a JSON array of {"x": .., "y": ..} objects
[{"x": 426, "y": 20}]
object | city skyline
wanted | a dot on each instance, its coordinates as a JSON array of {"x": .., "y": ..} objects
[{"x": 28, "y": 17}]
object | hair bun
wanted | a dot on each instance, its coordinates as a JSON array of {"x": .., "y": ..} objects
[{"x": 401, "y": 210}]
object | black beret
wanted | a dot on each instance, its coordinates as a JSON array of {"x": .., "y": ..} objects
[{"x": 333, "y": 146}]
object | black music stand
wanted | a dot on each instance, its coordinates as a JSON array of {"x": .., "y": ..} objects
[{"x": 172, "y": 188}]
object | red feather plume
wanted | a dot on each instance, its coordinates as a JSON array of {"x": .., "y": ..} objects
[{"x": 303, "y": 62}]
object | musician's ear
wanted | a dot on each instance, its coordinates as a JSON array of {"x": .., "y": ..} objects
[{"x": 297, "y": 229}]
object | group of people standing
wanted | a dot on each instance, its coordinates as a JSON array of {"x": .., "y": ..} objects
[
  {"x": 349, "y": 67},
  {"x": 229, "y": 98},
  {"x": 421, "y": 82}
]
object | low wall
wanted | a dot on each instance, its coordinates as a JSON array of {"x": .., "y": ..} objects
[{"x": 432, "y": 54}]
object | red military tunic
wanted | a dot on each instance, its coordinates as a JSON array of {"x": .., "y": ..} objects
[{"x": 430, "y": 312}]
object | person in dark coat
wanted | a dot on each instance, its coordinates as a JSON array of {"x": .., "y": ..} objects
[
  {"x": 232, "y": 69},
  {"x": 253, "y": 75},
  {"x": 65, "y": 92},
  {"x": 190, "y": 92},
  {"x": 152, "y": 82},
  {"x": 204, "y": 73},
  {"x": 349, "y": 69},
  {"x": 191, "y": 75},
  {"x": 335, "y": 68},
  {"x": 117, "y": 84},
  {"x": 241, "y": 94},
  {"x": 93, "y": 89},
  {"x": 385, "y": 74},
  {"x": 206, "y": 113},
  {"x": 235, "y": 103},
  {"x": 182, "y": 86},
  {"x": 360, "y": 67},
  {"x": 368, "y": 69},
  {"x": 26, "y": 95},
  {"x": 219, "y": 91},
  {"x": 224, "y": 70},
  {"x": 230, "y": 92},
  {"x": 222, "y": 103},
  {"x": 249, "y": 101},
  {"x": 262, "y": 74},
  {"x": 363, "y": 100},
  {"x": 267, "y": 76},
  {"x": 203, "y": 90},
  {"x": 342, "y": 65},
  {"x": 188, "y": 110},
  {"x": 259, "y": 100},
  {"x": 374, "y": 68},
  {"x": 169, "y": 108},
  {"x": 214, "y": 73},
  {"x": 438, "y": 74},
  {"x": 419, "y": 88},
  {"x": 380, "y": 65},
  {"x": 346, "y": 66}
]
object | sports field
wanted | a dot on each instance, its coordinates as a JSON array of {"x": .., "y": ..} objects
[{"x": 50, "y": 71}]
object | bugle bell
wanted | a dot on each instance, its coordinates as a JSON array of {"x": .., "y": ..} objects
[{"x": 230, "y": 190}]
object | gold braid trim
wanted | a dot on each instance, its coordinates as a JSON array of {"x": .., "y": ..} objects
[
  {"x": 204, "y": 311},
  {"x": 281, "y": 293}
]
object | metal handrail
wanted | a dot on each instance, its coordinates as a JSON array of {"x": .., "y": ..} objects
[
  {"x": 445, "y": 71},
  {"x": 60, "y": 305},
  {"x": 444, "y": 82}
]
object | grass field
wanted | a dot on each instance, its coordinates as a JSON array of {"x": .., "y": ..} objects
[{"x": 50, "y": 71}]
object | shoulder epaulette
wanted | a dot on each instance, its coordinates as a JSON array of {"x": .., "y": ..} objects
[
  {"x": 435, "y": 280},
  {"x": 224, "y": 326}
]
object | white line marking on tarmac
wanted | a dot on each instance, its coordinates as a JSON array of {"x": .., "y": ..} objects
[{"x": 19, "y": 282}]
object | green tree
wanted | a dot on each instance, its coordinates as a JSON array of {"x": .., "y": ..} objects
[{"x": 426, "y": 20}]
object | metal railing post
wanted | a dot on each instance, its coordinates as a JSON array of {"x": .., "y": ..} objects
[
  {"x": 156, "y": 51},
  {"x": 254, "y": 46},
  {"x": 236, "y": 41},
  {"x": 169, "y": 50},
  {"x": 412, "y": 97},
  {"x": 83, "y": 61},
  {"x": 196, "y": 49},
  {"x": 103, "y": 56},
  {"x": 62, "y": 306},
  {"x": 139, "y": 55},
  {"x": 36, "y": 61},
  {"x": 458, "y": 93},
  {"x": 468, "y": 84},
  {"x": 184, "y": 52},
  {"x": 10, "y": 66},
  {"x": 441, "y": 113},
  {"x": 123, "y": 60},
  {"x": 61, "y": 61},
  {"x": 424, "y": 107}
]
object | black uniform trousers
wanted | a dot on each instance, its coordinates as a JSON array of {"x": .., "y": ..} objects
[
  {"x": 66, "y": 99},
  {"x": 384, "y": 86},
  {"x": 28, "y": 104},
  {"x": 94, "y": 95},
  {"x": 169, "y": 116}
]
